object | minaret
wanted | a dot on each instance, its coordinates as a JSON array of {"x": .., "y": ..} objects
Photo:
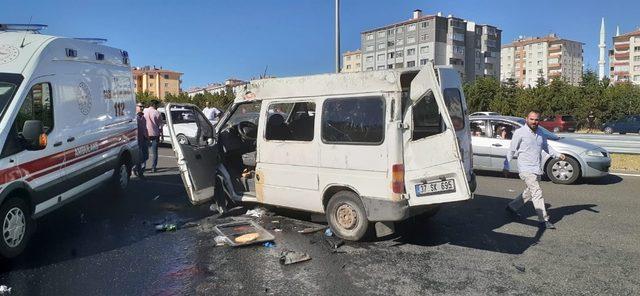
[
  {"x": 602, "y": 46},
  {"x": 617, "y": 31}
]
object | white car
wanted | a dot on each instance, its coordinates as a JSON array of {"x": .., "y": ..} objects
[
  {"x": 485, "y": 113},
  {"x": 184, "y": 125}
]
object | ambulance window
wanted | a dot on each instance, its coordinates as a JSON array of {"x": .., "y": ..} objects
[
  {"x": 38, "y": 105},
  {"x": 426, "y": 117},
  {"x": 353, "y": 121}
]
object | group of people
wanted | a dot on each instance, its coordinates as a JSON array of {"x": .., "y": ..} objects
[{"x": 149, "y": 134}]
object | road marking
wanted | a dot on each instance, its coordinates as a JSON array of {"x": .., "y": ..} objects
[
  {"x": 166, "y": 156},
  {"x": 623, "y": 174}
]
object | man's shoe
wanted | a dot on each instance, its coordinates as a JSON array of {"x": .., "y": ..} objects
[
  {"x": 547, "y": 225},
  {"x": 513, "y": 212}
]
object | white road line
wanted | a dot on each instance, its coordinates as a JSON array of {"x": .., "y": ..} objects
[
  {"x": 623, "y": 174},
  {"x": 166, "y": 156}
]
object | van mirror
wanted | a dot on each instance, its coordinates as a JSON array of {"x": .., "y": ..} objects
[{"x": 33, "y": 135}]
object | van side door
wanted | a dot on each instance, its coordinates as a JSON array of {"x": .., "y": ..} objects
[
  {"x": 198, "y": 157},
  {"x": 433, "y": 163}
]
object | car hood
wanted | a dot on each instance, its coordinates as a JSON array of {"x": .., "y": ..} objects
[{"x": 572, "y": 144}]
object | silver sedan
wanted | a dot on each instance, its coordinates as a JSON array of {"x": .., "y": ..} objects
[{"x": 491, "y": 137}]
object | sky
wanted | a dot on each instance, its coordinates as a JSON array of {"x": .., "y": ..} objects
[{"x": 210, "y": 41}]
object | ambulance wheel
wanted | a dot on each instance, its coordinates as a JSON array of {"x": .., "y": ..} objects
[
  {"x": 16, "y": 226},
  {"x": 121, "y": 176},
  {"x": 346, "y": 216}
]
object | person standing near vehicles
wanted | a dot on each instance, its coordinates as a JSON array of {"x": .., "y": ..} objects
[
  {"x": 591, "y": 119},
  {"x": 211, "y": 113},
  {"x": 154, "y": 131},
  {"x": 529, "y": 144},
  {"x": 143, "y": 147}
]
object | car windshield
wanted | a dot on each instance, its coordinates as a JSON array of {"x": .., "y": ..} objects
[
  {"x": 8, "y": 85},
  {"x": 548, "y": 134},
  {"x": 568, "y": 118}
]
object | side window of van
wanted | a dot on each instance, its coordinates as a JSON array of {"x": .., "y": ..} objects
[
  {"x": 353, "y": 121},
  {"x": 38, "y": 105},
  {"x": 427, "y": 120},
  {"x": 291, "y": 121},
  {"x": 453, "y": 100}
]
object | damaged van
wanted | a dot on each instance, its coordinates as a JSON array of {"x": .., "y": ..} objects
[{"x": 378, "y": 146}]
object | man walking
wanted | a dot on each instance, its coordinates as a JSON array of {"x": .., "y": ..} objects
[
  {"x": 211, "y": 113},
  {"x": 154, "y": 130},
  {"x": 528, "y": 145},
  {"x": 143, "y": 147}
]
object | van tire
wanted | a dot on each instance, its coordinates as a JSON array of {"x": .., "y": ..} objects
[
  {"x": 182, "y": 139},
  {"x": 121, "y": 177},
  {"x": 346, "y": 216},
  {"x": 14, "y": 208}
]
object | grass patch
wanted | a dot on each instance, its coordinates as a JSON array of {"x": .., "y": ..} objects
[{"x": 625, "y": 162}]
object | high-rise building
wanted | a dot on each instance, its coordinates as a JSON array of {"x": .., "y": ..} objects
[
  {"x": 624, "y": 58},
  {"x": 471, "y": 48},
  {"x": 550, "y": 57},
  {"x": 230, "y": 85},
  {"x": 157, "y": 81},
  {"x": 351, "y": 61}
]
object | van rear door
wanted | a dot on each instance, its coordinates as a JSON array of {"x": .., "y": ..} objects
[
  {"x": 198, "y": 156},
  {"x": 434, "y": 169}
]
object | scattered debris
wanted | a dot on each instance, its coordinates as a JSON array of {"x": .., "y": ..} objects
[
  {"x": 166, "y": 227},
  {"x": 334, "y": 243},
  {"x": 189, "y": 225},
  {"x": 328, "y": 232},
  {"x": 519, "y": 267},
  {"x": 311, "y": 230},
  {"x": 288, "y": 257},
  {"x": 243, "y": 233},
  {"x": 511, "y": 190},
  {"x": 220, "y": 240},
  {"x": 4, "y": 290},
  {"x": 269, "y": 244},
  {"x": 156, "y": 198},
  {"x": 275, "y": 222},
  {"x": 277, "y": 230},
  {"x": 257, "y": 212}
]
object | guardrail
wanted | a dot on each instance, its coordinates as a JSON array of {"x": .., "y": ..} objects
[{"x": 629, "y": 143}]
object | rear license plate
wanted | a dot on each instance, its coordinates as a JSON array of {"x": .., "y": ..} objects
[{"x": 436, "y": 187}]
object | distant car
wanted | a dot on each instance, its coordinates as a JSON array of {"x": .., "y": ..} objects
[
  {"x": 559, "y": 123},
  {"x": 486, "y": 113},
  {"x": 628, "y": 124},
  {"x": 184, "y": 125},
  {"x": 491, "y": 138}
]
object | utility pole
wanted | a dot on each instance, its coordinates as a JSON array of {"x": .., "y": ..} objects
[{"x": 337, "y": 36}]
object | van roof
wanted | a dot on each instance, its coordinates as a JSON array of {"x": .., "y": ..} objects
[
  {"x": 325, "y": 85},
  {"x": 20, "y": 54}
]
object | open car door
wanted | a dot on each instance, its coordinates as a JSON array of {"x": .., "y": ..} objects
[
  {"x": 434, "y": 169},
  {"x": 196, "y": 150}
]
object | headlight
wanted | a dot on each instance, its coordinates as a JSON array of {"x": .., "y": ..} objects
[{"x": 596, "y": 153}]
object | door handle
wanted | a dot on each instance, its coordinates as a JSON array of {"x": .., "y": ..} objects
[
  {"x": 71, "y": 139},
  {"x": 56, "y": 144},
  {"x": 496, "y": 145}
]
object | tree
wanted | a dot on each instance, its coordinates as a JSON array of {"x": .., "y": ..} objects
[
  {"x": 145, "y": 98},
  {"x": 480, "y": 93}
]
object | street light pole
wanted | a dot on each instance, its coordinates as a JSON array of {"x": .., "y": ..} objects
[{"x": 337, "y": 36}]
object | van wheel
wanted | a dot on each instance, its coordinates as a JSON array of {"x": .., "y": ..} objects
[
  {"x": 121, "y": 176},
  {"x": 563, "y": 171},
  {"x": 346, "y": 216},
  {"x": 15, "y": 224}
]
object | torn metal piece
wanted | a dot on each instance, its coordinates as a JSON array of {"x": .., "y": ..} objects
[
  {"x": 288, "y": 257},
  {"x": 311, "y": 230}
]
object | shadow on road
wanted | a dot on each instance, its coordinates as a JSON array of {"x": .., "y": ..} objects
[
  {"x": 101, "y": 222},
  {"x": 605, "y": 180},
  {"x": 477, "y": 224}
]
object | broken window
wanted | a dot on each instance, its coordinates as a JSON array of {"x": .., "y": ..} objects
[
  {"x": 353, "y": 120},
  {"x": 291, "y": 121}
]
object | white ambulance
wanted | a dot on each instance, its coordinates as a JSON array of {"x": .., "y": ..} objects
[
  {"x": 67, "y": 125},
  {"x": 377, "y": 146}
]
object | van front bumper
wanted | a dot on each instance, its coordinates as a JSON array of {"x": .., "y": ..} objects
[{"x": 385, "y": 210}]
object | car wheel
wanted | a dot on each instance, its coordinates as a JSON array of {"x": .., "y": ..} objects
[
  {"x": 556, "y": 129},
  {"x": 121, "y": 176},
  {"x": 15, "y": 224},
  {"x": 182, "y": 139},
  {"x": 608, "y": 130},
  {"x": 346, "y": 216},
  {"x": 563, "y": 171}
]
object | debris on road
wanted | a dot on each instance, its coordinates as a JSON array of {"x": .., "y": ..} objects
[
  {"x": 269, "y": 244},
  {"x": 328, "y": 232},
  {"x": 156, "y": 198},
  {"x": 189, "y": 225},
  {"x": 311, "y": 230},
  {"x": 257, "y": 212},
  {"x": 4, "y": 290},
  {"x": 166, "y": 227},
  {"x": 519, "y": 267},
  {"x": 243, "y": 233},
  {"x": 220, "y": 240},
  {"x": 277, "y": 230},
  {"x": 288, "y": 257},
  {"x": 333, "y": 243}
]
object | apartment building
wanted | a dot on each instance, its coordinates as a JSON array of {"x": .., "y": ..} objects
[
  {"x": 550, "y": 57},
  {"x": 157, "y": 81},
  {"x": 624, "y": 58},
  {"x": 471, "y": 48},
  {"x": 351, "y": 61},
  {"x": 232, "y": 84}
]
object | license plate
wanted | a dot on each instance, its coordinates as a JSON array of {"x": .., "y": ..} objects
[{"x": 436, "y": 187}]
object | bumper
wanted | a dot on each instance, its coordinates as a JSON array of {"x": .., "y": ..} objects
[
  {"x": 596, "y": 167},
  {"x": 385, "y": 210}
]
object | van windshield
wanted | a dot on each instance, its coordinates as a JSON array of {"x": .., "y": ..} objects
[{"x": 8, "y": 85}]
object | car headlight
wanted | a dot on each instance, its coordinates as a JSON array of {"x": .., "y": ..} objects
[{"x": 596, "y": 153}]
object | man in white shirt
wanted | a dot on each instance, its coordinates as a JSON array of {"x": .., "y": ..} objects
[{"x": 211, "y": 113}]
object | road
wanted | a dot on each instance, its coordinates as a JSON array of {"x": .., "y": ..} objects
[{"x": 107, "y": 245}]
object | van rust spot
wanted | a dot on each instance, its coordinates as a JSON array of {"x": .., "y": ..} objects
[{"x": 260, "y": 186}]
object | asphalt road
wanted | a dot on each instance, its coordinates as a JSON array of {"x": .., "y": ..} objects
[{"x": 107, "y": 245}]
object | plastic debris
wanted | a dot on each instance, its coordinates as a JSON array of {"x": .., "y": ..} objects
[
  {"x": 4, "y": 290},
  {"x": 288, "y": 257},
  {"x": 220, "y": 240},
  {"x": 328, "y": 232},
  {"x": 311, "y": 230},
  {"x": 166, "y": 227},
  {"x": 277, "y": 230},
  {"x": 275, "y": 222},
  {"x": 334, "y": 243},
  {"x": 269, "y": 244},
  {"x": 257, "y": 212}
]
